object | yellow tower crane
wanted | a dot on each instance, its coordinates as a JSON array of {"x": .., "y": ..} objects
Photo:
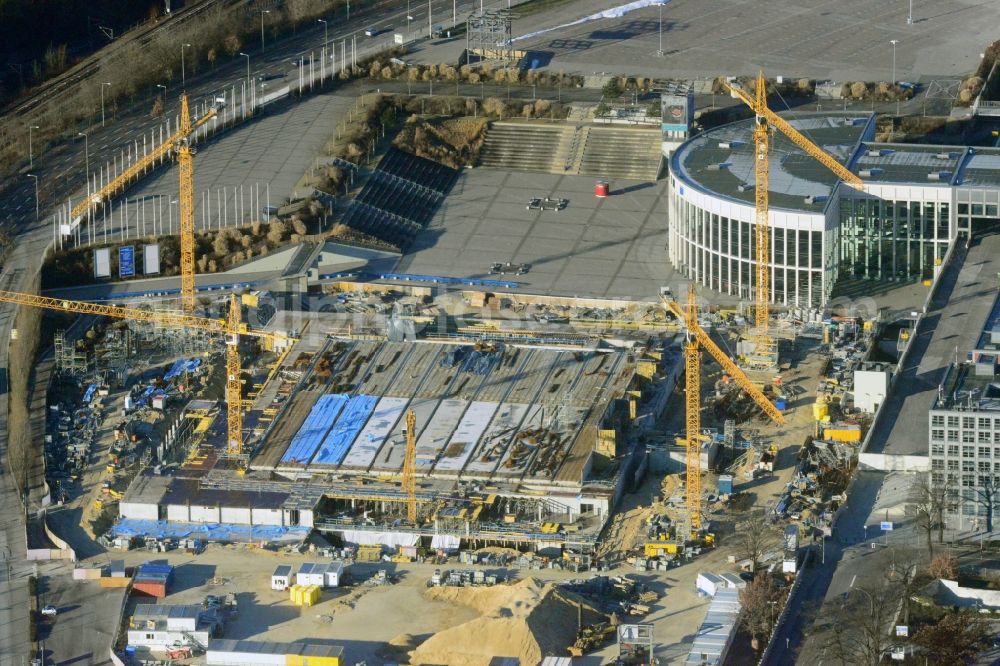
[
  {"x": 410, "y": 467},
  {"x": 179, "y": 142},
  {"x": 232, "y": 327},
  {"x": 766, "y": 119},
  {"x": 727, "y": 364},
  {"x": 692, "y": 384}
]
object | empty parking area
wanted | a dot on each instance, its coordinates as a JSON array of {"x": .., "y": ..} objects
[{"x": 601, "y": 248}]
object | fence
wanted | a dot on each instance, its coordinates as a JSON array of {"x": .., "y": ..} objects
[{"x": 234, "y": 106}]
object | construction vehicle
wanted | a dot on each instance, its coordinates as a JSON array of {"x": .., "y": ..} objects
[
  {"x": 590, "y": 637},
  {"x": 232, "y": 327},
  {"x": 179, "y": 142},
  {"x": 182, "y": 652}
]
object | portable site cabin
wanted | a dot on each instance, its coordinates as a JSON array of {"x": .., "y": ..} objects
[
  {"x": 327, "y": 574},
  {"x": 281, "y": 579}
]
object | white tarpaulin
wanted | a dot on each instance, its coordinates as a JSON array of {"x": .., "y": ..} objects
[
  {"x": 614, "y": 12},
  {"x": 390, "y": 539},
  {"x": 444, "y": 542},
  {"x": 151, "y": 259},
  {"x": 102, "y": 263}
]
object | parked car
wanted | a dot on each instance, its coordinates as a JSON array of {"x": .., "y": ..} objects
[{"x": 49, "y": 611}]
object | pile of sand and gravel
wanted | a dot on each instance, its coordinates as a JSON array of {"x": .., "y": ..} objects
[{"x": 528, "y": 620}]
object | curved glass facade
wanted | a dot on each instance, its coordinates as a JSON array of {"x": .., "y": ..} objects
[{"x": 718, "y": 250}]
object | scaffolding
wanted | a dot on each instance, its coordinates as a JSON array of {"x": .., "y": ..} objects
[
  {"x": 67, "y": 358},
  {"x": 489, "y": 37}
]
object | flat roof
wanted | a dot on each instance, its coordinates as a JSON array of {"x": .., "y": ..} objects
[
  {"x": 190, "y": 491},
  {"x": 907, "y": 163},
  {"x": 505, "y": 413},
  {"x": 981, "y": 168},
  {"x": 721, "y": 160},
  {"x": 167, "y": 611},
  {"x": 298, "y": 648}
]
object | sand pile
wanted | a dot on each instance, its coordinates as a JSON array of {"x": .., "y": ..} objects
[{"x": 528, "y": 620}]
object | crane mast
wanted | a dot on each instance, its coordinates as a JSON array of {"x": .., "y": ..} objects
[
  {"x": 410, "y": 467},
  {"x": 761, "y": 221},
  {"x": 185, "y": 161},
  {"x": 692, "y": 385}
]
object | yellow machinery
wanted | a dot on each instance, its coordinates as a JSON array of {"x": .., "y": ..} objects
[
  {"x": 727, "y": 364},
  {"x": 232, "y": 327},
  {"x": 410, "y": 467},
  {"x": 658, "y": 548},
  {"x": 692, "y": 385},
  {"x": 766, "y": 118},
  {"x": 179, "y": 142}
]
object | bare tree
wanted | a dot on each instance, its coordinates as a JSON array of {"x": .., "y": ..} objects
[
  {"x": 986, "y": 495},
  {"x": 755, "y": 536},
  {"x": 858, "y": 631},
  {"x": 760, "y": 603},
  {"x": 954, "y": 639},
  {"x": 928, "y": 503}
]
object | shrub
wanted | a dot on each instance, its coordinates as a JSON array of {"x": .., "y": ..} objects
[
  {"x": 276, "y": 231},
  {"x": 859, "y": 89}
]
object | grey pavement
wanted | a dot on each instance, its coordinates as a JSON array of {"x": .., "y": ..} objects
[
  {"x": 598, "y": 248},
  {"x": 957, "y": 314},
  {"x": 843, "y": 40},
  {"x": 236, "y": 175}
]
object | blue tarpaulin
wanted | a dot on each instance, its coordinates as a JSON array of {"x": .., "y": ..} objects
[
  {"x": 309, "y": 437},
  {"x": 161, "y": 529},
  {"x": 180, "y": 367},
  {"x": 336, "y": 444},
  {"x": 89, "y": 393}
]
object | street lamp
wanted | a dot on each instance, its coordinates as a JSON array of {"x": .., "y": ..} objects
[
  {"x": 326, "y": 35},
  {"x": 31, "y": 175},
  {"x": 909, "y": 17},
  {"x": 183, "y": 77},
  {"x": 659, "y": 51},
  {"x": 894, "y": 42},
  {"x": 31, "y": 153},
  {"x": 262, "y": 12},
  {"x": 247, "y": 56},
  {"x": 86, "y": 150},
  {"x": 102, "y": 102}
]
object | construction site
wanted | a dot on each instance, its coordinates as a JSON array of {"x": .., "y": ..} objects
[{"x": 566, "y": 383}]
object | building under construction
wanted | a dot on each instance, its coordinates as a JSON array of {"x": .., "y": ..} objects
[{"x": 514, "y": 443}]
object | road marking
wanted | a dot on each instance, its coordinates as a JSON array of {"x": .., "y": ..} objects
[{"x": 853, "y": 579}]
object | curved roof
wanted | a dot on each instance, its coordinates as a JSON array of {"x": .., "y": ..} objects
[{"x": 720, "y": 161}]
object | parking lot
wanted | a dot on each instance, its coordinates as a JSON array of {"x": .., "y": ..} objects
[{"x": 843, "y": 40}]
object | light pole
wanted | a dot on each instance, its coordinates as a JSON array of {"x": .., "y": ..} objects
[
  {"x": 183, "y": 77},
  {"x": 659, "y": 51},
  {"x": 408, "y": 19},
  {"x": 326, "y": 35},
  {"x": 262, "y": 12},
  {"x": 909, "y": 17},
  {"x": 894, "y": 42},
  {"x": 102, "y": 102},
  {"x": 430, "y": 22},
  {"x": 86, "y": 151},
  {"x": 31, "y": 175},
  {"x": 31, "y": 153},
  {"x": 247, "y": 56}
]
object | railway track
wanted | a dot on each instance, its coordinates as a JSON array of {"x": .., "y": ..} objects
[{"x": 84, "y": 69}]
